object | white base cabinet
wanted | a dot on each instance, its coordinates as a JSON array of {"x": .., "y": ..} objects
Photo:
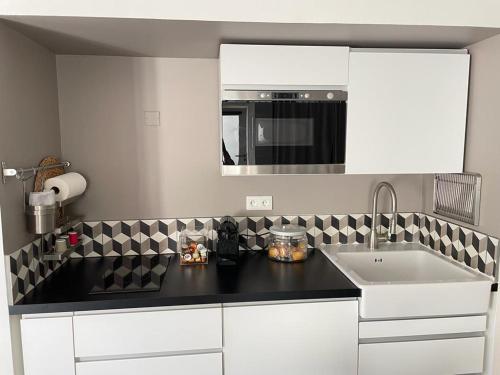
[
  {"x": 429, "y": 357},
  {"x": 206, "y": 364},
  {"x": 291, "y": 338},
  {"x": 322, "y": 337},
  {"x": 319, "y": 337},
  {"x": 48, "y": 346}
]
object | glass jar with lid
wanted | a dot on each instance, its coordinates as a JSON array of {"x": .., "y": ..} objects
[{"x": 288, "y": 243}]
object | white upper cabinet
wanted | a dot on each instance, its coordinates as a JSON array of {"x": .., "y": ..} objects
[
  {"x": 406, "y": 111},
  {"x": 275, "y": 67}
]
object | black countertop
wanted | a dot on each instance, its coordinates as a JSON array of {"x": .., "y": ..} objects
[{"x": 256, "y": 279}]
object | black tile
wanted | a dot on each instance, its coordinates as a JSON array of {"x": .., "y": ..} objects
[
  {"x": 351, "y": 221},
  {"x": 145, "y": 228},
  {"x": 13, "y": 266},
  {"x": 163, "y": 228},
  {"x": 491, "y": 248},
  {"x": 107, "y": 230},
  {"x": 126, "y": 229},
  {"x": 401, "y": 221},
  {"x": 481, "y": 265},
  {"x": 461, "y": 236}
]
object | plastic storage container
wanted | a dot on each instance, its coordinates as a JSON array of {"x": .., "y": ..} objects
[
  {"x": 288, "y": 243},
  {"x": 193, "y": 247}
]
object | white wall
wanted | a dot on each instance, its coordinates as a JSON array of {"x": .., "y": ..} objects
[
  {"x": 29, "y": 122},
  {"x": 481, "y": 13}
]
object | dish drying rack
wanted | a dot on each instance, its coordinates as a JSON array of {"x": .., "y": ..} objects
[{"x": 24, "y": 174}]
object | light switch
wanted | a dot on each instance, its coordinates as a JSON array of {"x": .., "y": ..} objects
[{"x": 152, "y": 118}]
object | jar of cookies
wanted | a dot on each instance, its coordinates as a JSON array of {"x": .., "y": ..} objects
[
  {"x": 193, "y": 247},
  {"x": 288, "y": 243}
]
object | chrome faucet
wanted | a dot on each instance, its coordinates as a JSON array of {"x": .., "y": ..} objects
[{"x": 374, "y": 236}]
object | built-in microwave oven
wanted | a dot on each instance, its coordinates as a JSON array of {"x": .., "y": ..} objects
[{"x": 283, "y": 132}]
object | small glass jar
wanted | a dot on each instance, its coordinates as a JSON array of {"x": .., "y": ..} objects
[{"x": 288, "y": 243}]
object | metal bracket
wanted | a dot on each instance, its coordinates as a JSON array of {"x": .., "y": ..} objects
[{"x": 7, "y": 172}]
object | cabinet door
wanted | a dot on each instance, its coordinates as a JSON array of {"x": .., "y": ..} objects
[
  {"x": 293, "y": 339},
  {"x": 48, "y": 346},
  {"x": 406, "y": 112},
  {"x": 430, "y": 357},
  {"x": 273, "y": 66},
  {"x": 206, "y": 364}
]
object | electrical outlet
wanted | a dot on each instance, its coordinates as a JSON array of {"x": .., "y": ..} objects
[{"x": 260, "y": 202}]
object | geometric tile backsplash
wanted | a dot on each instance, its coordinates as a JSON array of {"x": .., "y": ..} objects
[
  {"x": 26, "y": 270},
  {"x": 160, "y": 236}
]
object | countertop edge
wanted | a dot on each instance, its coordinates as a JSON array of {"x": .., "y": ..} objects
[{"x": 130, "y": 303}]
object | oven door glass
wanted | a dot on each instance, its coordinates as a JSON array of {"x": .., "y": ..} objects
[{"x": 283, "y": 132}]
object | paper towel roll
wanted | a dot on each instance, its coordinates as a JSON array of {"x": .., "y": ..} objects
[{"x": 66, "y": 186}]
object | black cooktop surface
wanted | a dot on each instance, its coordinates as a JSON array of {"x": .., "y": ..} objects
[{"x": 132, "y": 274}]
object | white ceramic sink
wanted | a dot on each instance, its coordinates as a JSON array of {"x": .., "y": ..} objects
[{"x": 409, "y": 280}]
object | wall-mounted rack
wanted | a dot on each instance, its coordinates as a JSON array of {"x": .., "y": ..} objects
[
  {"x": 23, "y": 173},
  {"x": 458, "y": 196}
]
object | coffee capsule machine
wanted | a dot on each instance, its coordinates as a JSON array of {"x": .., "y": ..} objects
[{"x": 227, "y": 244}]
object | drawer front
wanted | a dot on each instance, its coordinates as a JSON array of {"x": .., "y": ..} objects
[
  {"x": 206, "y": 364},
  {"x": 420, "y": 327},
  {"x": 431, "y": 357},
  {"x": 147, "y": 332}
]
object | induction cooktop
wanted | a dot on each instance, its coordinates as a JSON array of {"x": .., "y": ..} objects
[{"x": 132, "y": 274}]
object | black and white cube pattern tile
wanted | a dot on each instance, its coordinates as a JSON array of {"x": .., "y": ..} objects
[
  {"x": 26, "y": 270},
  {"x": 358, "y": 228},
  {"x": 293, "y": 219},
  {"x": 258, "y": 231},
  {"x": 154, "y": 240},
  {"x": 474, "y": 249},
  {"x": 436, "y": 234},
  {"x": 162, "y": 236},
  {"x": 427, "y": 224},
  {"x": 141, "y": 237},
  {"x": 479, "y": 250},
  {"x": 307, "y": 221},
  {"x": 330, "y": 229},
  {"x": 91, "y": 240},
  {"x": 407, "y": 226},
  {"x": 448, "y": 241},
  {"x": 490, "y": 257},
  {"x": 121, "y": 238}
]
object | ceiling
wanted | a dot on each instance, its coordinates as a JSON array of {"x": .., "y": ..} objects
[{"x": 201, "y": 39}]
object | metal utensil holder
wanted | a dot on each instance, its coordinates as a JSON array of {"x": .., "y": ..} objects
[{"x": 41, "y": 219}]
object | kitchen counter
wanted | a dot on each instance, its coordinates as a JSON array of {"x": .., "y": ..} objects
[{"x": 256, "y": 279}]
